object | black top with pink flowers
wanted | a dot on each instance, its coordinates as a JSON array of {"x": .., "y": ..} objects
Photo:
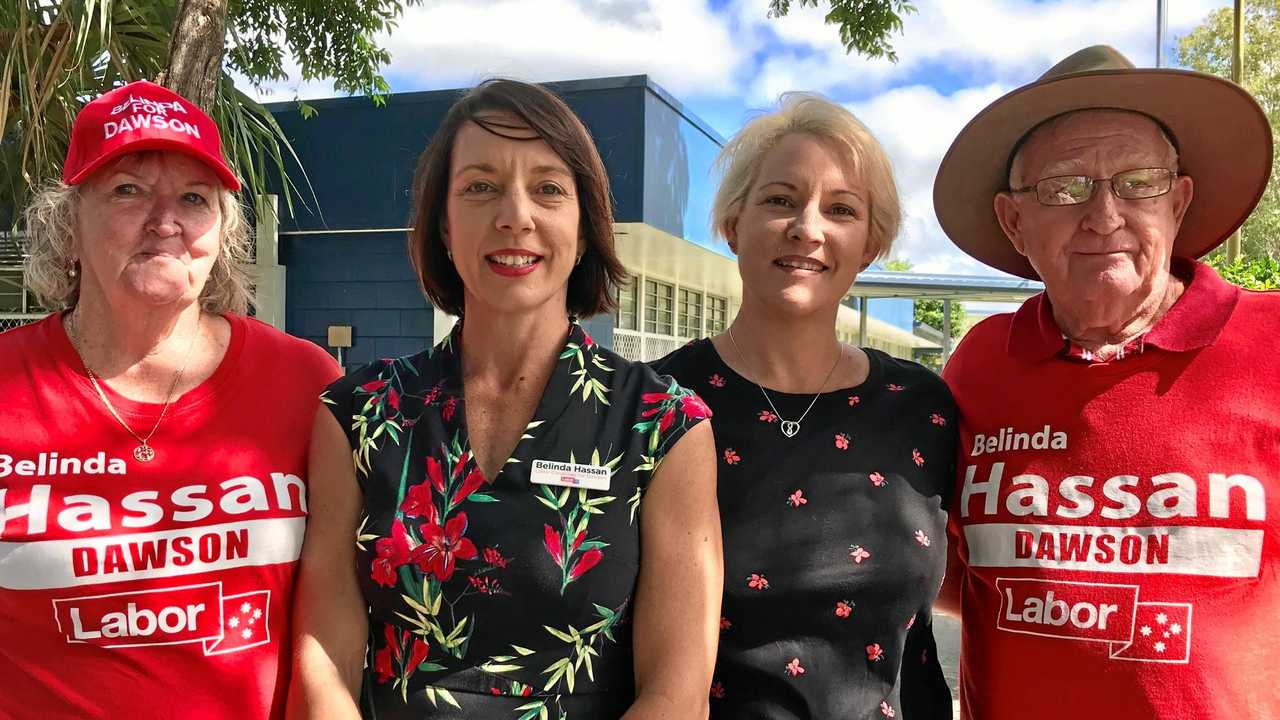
[
  {"x": 503, "y": 597},
  {"x": 834, "y": 540}
]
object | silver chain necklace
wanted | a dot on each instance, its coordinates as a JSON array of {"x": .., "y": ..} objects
[{"x": 789, "y": 428}]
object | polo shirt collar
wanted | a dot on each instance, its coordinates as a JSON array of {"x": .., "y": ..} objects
[{"x": 1194, "y": 321}]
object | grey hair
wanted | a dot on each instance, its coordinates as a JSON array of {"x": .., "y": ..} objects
[
  {"x": 740, "y": 160},
  {"x": 50, "y": 226}
]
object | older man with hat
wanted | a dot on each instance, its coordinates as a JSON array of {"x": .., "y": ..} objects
[{"x": 1115, "y": 522}]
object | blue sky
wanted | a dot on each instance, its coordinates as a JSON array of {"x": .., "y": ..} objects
[{"x": 724, "y": 59}]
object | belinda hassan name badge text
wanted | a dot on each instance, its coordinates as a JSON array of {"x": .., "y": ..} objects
[{"x": 591, "y": 477}]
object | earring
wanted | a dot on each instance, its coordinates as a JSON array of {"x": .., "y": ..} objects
[
  {"x": 449, "y": 252},
  {"x": 578, "y": 261},
  {"x": 71, "y": 271}
]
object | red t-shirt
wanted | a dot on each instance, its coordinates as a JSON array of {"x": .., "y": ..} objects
[
  {"x": 1118, "y": 522},
  {"x": 160, "y": 589}
]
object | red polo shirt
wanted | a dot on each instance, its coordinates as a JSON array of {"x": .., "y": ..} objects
[{"x": 1117, "y": 522}]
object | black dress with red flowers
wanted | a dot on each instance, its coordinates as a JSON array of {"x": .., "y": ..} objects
[
  {"x": 834, "y": 540},
  {"x": 504, "y": 597}
]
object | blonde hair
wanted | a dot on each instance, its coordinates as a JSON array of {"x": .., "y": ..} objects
[
  {"x": 50, "y": 220},
  {"x": 740, "y": 159}
]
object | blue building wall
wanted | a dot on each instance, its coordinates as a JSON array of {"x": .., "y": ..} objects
[
  {"x": 679, "y": 190},
  {"x": 361, "y": 280}
]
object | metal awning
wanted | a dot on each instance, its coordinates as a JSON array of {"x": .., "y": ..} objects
[
  {"x": 874, "y": 284},
  {"x": 985, "y": 288}
]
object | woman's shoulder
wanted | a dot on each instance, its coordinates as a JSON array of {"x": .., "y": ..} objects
[
  {"x": 635, "y": 377},
  {"x": 685, "y": 361},
  {"x": 406, "y": 374},
  {"x": 19, "y": 346},
  {"x": 903, "y": 375},
  {"x": 653, "y": 402},
  {"x": 28, "y": 335},
  {"x": 268, "y": 341}
]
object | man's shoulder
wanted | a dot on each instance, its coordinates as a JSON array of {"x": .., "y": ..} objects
[
  {"x": 268, "y": 340},
  {"x": 985, "y": 342},
  {"x": 1260, "y": 305},
  {"x": 1253, "y": 326}
]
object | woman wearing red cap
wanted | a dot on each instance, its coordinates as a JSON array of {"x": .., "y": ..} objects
[{"x": 153, "y": 469}]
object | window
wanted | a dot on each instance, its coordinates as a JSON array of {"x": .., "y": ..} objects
[
  {"x": 659, "y": 307},
  {"x": 690, "y": 314},
  {"x": 717, "y": 314},
  {"x": 626, "y": 317}
]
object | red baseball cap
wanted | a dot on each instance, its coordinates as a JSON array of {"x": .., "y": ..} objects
[{"x": 142, "y": 116}]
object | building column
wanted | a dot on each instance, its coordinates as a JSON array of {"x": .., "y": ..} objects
[
  {"x": 862, "y": 321},
  {"x": 268, "y": 272},
  {"x": 946, "y": 331}
]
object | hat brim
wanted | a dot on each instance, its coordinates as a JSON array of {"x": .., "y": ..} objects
[
  {"x": 217, "y": 164},
  {"x": 1223, "y": 138}
]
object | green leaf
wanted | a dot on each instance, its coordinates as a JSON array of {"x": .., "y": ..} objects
[
  {"x": 864, "y": 25},
  {"x": 448, "y": 697},
  {"x": 555, "y": 676},
  {"x": 482, "y": 498},
  {"x": 457, "y": 630},
  {"x": 533, "y": 710},
  {"x": 559, "y": 635},
  {"x": 416, "y": 606}
]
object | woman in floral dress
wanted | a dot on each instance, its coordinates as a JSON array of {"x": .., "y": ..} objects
[
  {"x": 835, "y": 462},
  {"x": 506, "y": 482}
]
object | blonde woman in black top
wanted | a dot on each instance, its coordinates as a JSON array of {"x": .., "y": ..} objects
[{"x": 834, "y": 461}]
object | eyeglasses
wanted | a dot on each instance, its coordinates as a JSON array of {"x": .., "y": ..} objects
[{"x": 1076, "y": 189}]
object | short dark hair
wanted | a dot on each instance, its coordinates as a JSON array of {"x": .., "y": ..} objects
[{"x": 593, "y": 283}]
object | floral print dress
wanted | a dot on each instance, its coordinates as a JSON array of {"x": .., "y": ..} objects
[
  {"x": 834, "y": 539},
  {"x": 503, "y": 597}
]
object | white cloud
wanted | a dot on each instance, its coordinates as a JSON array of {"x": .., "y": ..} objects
[
  {"x": 916, "y": 125},
  {"x": 682, "y": 44},
  {"x": 1008, "y": 41}
]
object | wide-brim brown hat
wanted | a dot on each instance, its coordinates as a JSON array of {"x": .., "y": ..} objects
[{"x": 1221, "y": 134}]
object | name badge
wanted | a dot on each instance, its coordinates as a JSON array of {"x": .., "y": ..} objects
[{"x": 563, "y": 474}]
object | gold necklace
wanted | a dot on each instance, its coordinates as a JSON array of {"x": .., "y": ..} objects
[{"x": 144, "y": 452}]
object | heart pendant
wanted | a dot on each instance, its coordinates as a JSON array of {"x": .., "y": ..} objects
[{"x": 790, "y": 428}]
